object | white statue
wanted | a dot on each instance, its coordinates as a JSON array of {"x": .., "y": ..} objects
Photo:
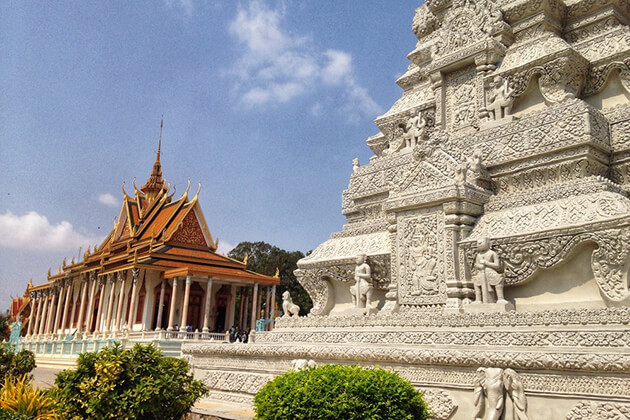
[
  {"x": 488, "y": 277},
  {"x": 500, "y": 99},
  {"x": 303, "y": 364},
  {"x": 362, "y": 290},
  {"x": 414, "y": 130},
  {"x": 289, "y": 308},
  {"x": 489, "y": 394},
  {"x": 355, "y": 165}
]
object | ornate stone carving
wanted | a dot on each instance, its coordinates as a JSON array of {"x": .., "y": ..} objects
[
  {"x": 289, "y": 308},
  {"x": 491, "y": 386},
  {"x": 440, "y": 403},
  {"x": 488, "y": 274},
  {"x": 598, "y": 410},
  {"x": 361, "y": 291},
  {"x": 421, "y": 267}
]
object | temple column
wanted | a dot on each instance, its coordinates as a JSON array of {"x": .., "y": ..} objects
[
  {"x": 38, "y": 316},
  {"x": 186, "y": 300},
  {"x": 259, "y": 303},
  {"x": 132, "y": 304},
  {"x": 90, "y": 310},
  {"x": 42, "y": 321},
  {"x": 232, "y": 308},
  {"x": 33, "y": 315},
  {"x": 55, "y": 328},
  {"x": 51, "y": 310},
  {"x": 84, "y": 287},
  {"x": 206, "y": 309},
  {"x": 122, "y": 276},
  {"x": 110, "y": 303},
  {"x": 101, "y": 302},
  {"x": 240, "y": 310},
  {"x": 171, "y": 315},
  {"x": 254, "y": 307},
  {"x": 273, "y": 307},
  {"x": 267, "y": 302},
  {"x": 160, "y": 314},
  {"x": 66, "y": 305}
]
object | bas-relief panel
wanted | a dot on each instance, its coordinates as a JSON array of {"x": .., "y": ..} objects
[
  {"x": 420, "y": 255},
  {"x": 461, "y": 99}
]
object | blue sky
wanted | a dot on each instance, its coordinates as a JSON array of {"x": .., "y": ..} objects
[{"x": 265, "y": 102}]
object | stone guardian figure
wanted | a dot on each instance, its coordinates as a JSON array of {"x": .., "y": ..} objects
[
  {"x": 488, "y": 277},
  {"x": 362, "y": 290},
  {"x": 500, "y": 99}
]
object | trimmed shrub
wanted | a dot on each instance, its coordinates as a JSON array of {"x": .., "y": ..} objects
[
  {"x": 127, "y": 384},
  {"x": 15, "y": 364},
  {"x": 340, "y": 392},
  {"x": 19, "y": 399}
]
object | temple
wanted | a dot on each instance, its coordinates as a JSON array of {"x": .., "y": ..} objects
[{"x": 157, "y": 276}]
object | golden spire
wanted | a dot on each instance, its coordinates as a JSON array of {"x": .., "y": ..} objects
[{"x": 155, "y": 184}]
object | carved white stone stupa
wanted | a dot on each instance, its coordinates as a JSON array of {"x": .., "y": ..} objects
[{"x": 495, "y": 221}]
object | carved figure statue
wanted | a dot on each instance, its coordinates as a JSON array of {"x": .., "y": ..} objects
[
  {"x": 424, "y": 278},
  {"x": 500, "y": 99},
  {"x": 289, "y": 308},
  {"x": 489, "y": 394},
  {"x": 414, "y": 130},
  {"x": 475, "y": 162},
  {"x": 488, "y": 276},
  {"x": 461, "y": 173},
  {"x": 355, "y": 164},
  {"x": 362, "y": 290}
]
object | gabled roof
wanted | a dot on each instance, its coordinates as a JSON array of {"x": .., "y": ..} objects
[{"x": 155, "y": 231}]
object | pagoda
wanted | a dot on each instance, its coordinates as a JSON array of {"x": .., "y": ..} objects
[{"x": 157, "y": 275}]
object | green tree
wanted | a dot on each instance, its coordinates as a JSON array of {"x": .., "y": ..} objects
[
  {"x": 4, "y": 327},
  {"x": 264, "y": 258},
  {"x": 332, "y": 392},
  {"x": 127, "y": 384}
]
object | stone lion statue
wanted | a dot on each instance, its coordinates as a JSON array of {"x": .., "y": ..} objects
[{"x": 289, "y": 308}]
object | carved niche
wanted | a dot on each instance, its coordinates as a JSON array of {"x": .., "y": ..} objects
[{"x": 421, "y": 259}]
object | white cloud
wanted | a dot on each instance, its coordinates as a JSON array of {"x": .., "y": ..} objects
[
  {"x": 108, "y": 199},
  {"x": 225, "y": 247},
  {"x": 33, "y": 231},
  {"x": 187, "y": 6},
  {"x": 277, "y": 66}
]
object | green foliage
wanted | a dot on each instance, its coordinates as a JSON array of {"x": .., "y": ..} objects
[
  {"x": 19, "y": 397},
  {"x": 127, "y": 384},
  {"x": 11, "y": 415},
  {"x": 340, "y": 392},
  {"x": 15, "y": 364},
  {"x": 264, "y": 258}
]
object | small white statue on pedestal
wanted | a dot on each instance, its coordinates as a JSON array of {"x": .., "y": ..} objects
[
  {"x": 488, "y": 277},
  {"x": 500, "y": 99},
  {"x": 362, "y": 290},
  {"x": 289, "y": 308}
]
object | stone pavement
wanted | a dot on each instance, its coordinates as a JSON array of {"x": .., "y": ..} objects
[{"x": 44, "y": 376}]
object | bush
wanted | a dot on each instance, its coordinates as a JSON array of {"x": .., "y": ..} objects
[
  {"x": 339, "y": 392},
  {"x": 15, "y": 364},
  {"x": 19, "y": 399},
  {"x": 127, "y": 384}
]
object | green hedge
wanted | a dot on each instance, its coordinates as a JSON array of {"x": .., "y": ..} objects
[
  {"x": 340, "y": 392},
  {"x": 127, "y": 384}
]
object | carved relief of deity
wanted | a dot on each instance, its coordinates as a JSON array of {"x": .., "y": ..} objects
[
  {"x": 420, "y": 260},
  {"x": 461, "y": 104}
]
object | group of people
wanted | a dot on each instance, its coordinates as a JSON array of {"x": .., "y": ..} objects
[{"x": 238, "y": 335}]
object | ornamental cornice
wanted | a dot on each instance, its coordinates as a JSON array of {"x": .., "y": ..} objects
[
  {"x": 433, "y": 317},
  {"x": 608, "y": 362}
]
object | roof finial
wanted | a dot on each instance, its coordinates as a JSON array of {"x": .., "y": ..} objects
[{"x": 160, "y": 138}]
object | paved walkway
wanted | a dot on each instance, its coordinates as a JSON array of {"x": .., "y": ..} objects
[{"x": 44, "y": 377}]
